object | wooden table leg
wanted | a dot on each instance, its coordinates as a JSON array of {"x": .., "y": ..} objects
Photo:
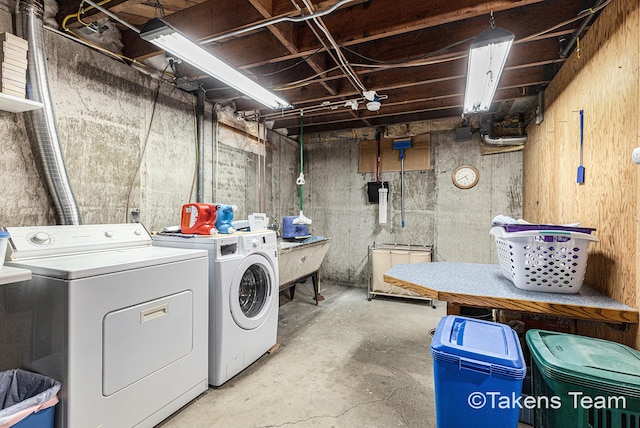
[{"x": 453, "y": 309}]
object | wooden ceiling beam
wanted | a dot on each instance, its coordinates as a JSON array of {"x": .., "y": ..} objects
[
  {"x": 422, "y": 110},
  {"x": 524, "y": 22},
  {"x": 437, "y": 96},
  {"x": 382, "y": 20},
  {"x": 379, "y": 120},
  {"x": 213, "y": 18},
  {"x": 284, "y": 32},
  {"x": 536, "y": 55},
  {"x": 255, "y": 47},
  {"x": 363, "y": 22}
]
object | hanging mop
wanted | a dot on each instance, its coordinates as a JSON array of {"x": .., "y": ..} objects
[
  {"x": 301, "y": 219},
  {"x": 402, "y": 145}
]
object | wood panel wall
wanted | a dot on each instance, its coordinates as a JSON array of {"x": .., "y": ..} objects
[{"x": 603, "y": 80}]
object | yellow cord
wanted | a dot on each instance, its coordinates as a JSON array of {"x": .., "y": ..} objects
[
  {"x": 78, "y": 13},
  {"x": 578, "y": 47},
  {"x": 79, "y": 37}
]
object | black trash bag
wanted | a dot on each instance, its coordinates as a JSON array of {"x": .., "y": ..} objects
[{"x": 21, "y": 391}]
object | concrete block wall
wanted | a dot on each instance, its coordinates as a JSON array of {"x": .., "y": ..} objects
[
  {"x": 456, "y": 222},
  {"x": 284, "y": 172},
  {"x": 117, "y": 141},
  {"x": 463, "y": 217},
  {"x": 124, "y": 150}
]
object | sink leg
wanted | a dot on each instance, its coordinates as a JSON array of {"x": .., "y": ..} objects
[
  {"x": 292, "y": 291},
  {"x": 314, "y": 278}
]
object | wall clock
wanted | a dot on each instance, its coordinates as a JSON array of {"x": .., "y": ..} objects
[{"x": 465, "y": 176}]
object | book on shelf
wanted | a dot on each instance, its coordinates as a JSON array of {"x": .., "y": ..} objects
[
  {"x": 16, "y": 62},
  {"x": 14, "y": 40},
  {"x": 10, "y": 84},
  {"x": 12, "y": 67},
  {"x": 9, "y": 91},
  {"x": 9, "y": 51},
  {"x": 7, "y": 73},
  {"x": 4, "y": 81}
]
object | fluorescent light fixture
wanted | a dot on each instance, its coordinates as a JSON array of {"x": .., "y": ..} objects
[
  {"x": 487, "y": 56},
  {"x": 167, "y": 38}
]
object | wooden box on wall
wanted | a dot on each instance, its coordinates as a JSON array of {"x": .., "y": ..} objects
[{"x": 417, "y": 158}]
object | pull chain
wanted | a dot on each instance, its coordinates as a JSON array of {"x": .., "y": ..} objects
[{"x": 158, "y": 8}]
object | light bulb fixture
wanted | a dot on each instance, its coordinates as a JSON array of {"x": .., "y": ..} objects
[
  {"x": 374, "y": 105},
  {"x": 167, "y": 38},
  {"x": 487, "y": 57}
]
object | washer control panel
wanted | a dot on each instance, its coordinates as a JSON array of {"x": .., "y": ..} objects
[{"x": 263, "y": 241}]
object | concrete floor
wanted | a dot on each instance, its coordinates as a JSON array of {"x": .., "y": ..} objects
[{"x": 347, "y": 362}]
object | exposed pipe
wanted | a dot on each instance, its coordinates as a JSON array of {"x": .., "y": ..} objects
[
  {"x": 578, "y": 33},
  {"x": 41, "y": 123},
  {"x": 504, "y": 141},
  {"x": 339, "y": 59},
  {"x": 273, "y": 22},
  {"x": 378, "y": 136},
  {"x": 113, "y": 16},
  {"x": 232, "y": 33},
  {"x": 214, "y": 152},
  {"x": 200, "y": 150}
]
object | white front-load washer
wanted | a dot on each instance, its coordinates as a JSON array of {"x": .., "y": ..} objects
[
  {"x": 243, "y": 297},
  {"x": 121, "y": 323}
]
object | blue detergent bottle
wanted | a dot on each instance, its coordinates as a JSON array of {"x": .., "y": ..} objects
[{"x": 224, "y": 217}]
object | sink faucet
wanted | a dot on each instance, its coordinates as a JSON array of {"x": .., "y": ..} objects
[{"x": 274, "y": 226}]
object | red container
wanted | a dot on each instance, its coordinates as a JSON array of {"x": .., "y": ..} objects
[{"x": 198, "y": 219}]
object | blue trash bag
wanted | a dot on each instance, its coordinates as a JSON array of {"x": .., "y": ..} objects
[{"x": 23, "y": 393}]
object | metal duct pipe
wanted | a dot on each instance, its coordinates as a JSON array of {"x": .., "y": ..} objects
[
  {"x": 41, "y": 124},
  {"x": 504, "y": 141},
  {"x": 200, "y": 154},
  {"x": 113, "y": 16}
]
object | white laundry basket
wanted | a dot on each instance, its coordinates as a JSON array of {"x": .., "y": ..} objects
[{"x": 548, "y": 259}]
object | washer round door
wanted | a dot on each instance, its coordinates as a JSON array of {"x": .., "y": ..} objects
[{"x": 251, "y": 295}]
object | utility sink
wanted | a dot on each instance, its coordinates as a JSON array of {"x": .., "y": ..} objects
[
  {"x": 285, "y": 244},
  {"x": 299, "y": 259}
]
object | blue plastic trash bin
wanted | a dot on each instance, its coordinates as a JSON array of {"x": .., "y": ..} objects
[
  {"x": 478, "y": 370},
  {"x": 27, "y": 400}
]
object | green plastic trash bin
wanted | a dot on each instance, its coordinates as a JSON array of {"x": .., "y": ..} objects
[
  {"x": 27, "y": 400},
  {"x": 583, "y": 382}
]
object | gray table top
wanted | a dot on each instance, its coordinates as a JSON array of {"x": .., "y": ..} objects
[{"x": 487, "y": 280}]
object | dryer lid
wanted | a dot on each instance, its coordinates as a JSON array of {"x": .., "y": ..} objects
[{"x": 84, "y": 265}]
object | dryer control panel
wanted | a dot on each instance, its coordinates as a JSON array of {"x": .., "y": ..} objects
[{"x": 44, "y": 241}]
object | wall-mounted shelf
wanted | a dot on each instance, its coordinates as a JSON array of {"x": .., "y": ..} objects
[
  {"x": 16, "y": 104},
  {"x": 9, "y": 274}
]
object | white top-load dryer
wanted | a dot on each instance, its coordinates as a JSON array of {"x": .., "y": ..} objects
[
  {"x": 243, "y": 297},
  {"x": 121, "y": 323}
]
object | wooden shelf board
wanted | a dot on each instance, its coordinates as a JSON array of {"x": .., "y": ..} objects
[{"x": 16, "y": 104}]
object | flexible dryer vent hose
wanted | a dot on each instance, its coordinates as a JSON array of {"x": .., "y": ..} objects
[{"x": 41, "y": 123}]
